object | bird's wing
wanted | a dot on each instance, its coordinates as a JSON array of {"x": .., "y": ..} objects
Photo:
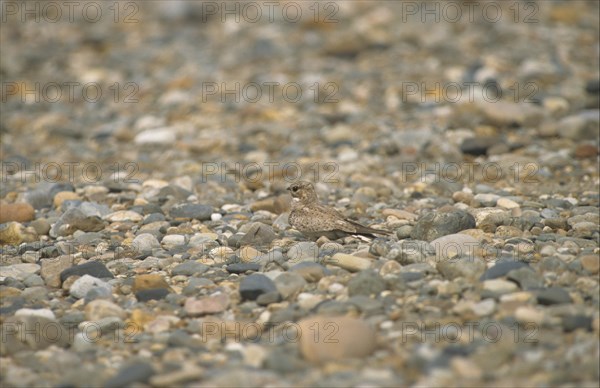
[
  {"x": 367, "y": 230},
  {"x": 333, "y": 220}
]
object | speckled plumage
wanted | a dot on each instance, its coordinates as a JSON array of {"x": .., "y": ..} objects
[{"x": 315, "y": 220}]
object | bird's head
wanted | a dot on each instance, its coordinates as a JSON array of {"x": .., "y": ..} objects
[{"x": 303, "y": 191}]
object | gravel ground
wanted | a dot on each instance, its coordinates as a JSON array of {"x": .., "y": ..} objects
[{"x": 146, "y": 149}]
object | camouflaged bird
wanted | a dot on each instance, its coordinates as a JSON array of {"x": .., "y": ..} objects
[{"x": 315, "y": 220}]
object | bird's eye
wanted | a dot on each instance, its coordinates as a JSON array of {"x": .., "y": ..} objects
[{"x": 295, "y": 188}]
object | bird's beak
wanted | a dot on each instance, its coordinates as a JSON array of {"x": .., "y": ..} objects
[{"x": 289, "y": 189}]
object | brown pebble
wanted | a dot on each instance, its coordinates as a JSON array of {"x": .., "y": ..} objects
[
  {"x": 19, "y": 212},
  {"x": 149, "y": 282},
  {"x": 586, "y": 151},
  {"x": 591, "y": 263}
]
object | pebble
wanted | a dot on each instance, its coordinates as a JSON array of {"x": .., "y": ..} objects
[
  {"x": 145, "y": 243},
  {"x": 258, "y": 235},
  {"x": 497, "y": 287},
  {"x": 99, "y": 309},
  {"x": 239, "y": 268},
  {"x": 289, "y": 284},
  {"x": 131, "y": 373},
  {"x": 455, "y": 245},
  {"x": 18, "y": 212},
  {"x": 62, "y": 196},
  {"x": 553, "y": 295},
  {"x": 349, "y": 262},
  {"x": 311, "y": 272},
  {"x": 194, "y": 211},
  {"x": 212, "y": 304},
  {"x": 501, "y": 268},
  {"x": 507, "y": 203},
  {"x": 410, "y": 252},
  {"x": 31, "y": 331},
  {"x": 470, "y": 268},
  {"x": 156, "y": 136},
  {"x": 93, "y": 268},
  {"x": 19, "y": 271},
  {"x": 367, "y": 282},
  {"x": 51, "y": 269},
  {"x": 303, "y": 251},
  {"x": 44, "y": 313},
  {"x": 149, "y": 282},
  {"x": 124, "y": 216},
  {"x": 325, "y": 339},
  {"x": 254, "y": 285},
  {"x": 85, "y": 284},
  {"x": 590, "y": 263},
  {"x": 171, "y": 241},
  {"x": 189, "y": 268},
  {"x": 399, "y": 214},
  {"x": 152, "y": 294},
  {"x": 437, "y": 224}
]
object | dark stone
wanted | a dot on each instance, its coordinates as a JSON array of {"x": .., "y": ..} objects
[
  {"x": 502, "y": 268},
  {"x": 478, "y": 145},
  {"x": 553, "y": 295},
  {"x": 136, "y": 372},
  {"x": 189, "y": 268},
  {"x": 154, "y": 217},
  {"x": 574, "y": 322},
  {"x": 151, "y": 294},
  {"x": 242, "y": 267},
  {"x": 526, "y": 278},
  {"x": 92, "y": 268},
  {"x": 252, "y": 286},
  {"x": 593, "y": 86},
  {"x": 48, "y": 252}
]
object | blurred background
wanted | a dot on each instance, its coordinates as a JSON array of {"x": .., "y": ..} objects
[{"x": 159, "y": 88}]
